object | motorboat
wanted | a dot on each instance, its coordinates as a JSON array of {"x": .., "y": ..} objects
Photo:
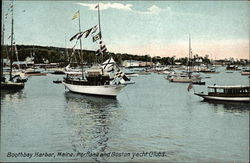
[{"x": 234, "y": 93}]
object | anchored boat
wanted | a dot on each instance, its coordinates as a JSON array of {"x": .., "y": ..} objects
[
  {"x": 13, "y": 83},
  {"x": 186, "y": 77},
  {"x": 245, "y": 72},
  {"x": 101, "y": 80},
  {"x": 236, "y": 93},
  {"x": 96, "y": 82}
]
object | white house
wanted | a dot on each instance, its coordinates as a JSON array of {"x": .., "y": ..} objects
[{"x": 131, "y": 63}]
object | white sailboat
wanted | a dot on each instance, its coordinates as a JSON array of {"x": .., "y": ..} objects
[{"x": 97, "y": 79}]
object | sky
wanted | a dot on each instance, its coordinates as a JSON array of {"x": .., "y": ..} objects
[{"x": 219, "y": 29}]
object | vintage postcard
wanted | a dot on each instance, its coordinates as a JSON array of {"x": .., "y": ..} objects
[{"x": 124, "y": 81}]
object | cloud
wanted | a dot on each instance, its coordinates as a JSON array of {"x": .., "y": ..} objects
[
  {"x": 125, "y": 7},
  {"x": 105, "y": 6},
  {"x": 151, "y": 10}
]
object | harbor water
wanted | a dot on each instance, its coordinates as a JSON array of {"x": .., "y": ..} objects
[{"x": 151, "y": 120}]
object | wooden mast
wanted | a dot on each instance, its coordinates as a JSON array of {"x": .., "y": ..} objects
[
  {"x": 81, "y": 44},
  {"x": 2, "y": 42},
  {"x": 99, "y": 24},
  {"x": 189, "y": 57},
  {"x": 12, "y": 33}
]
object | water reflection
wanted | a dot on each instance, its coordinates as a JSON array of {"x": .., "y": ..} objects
[
  {"x": 231, "y": 107},
  {"x": 91, "y": 119},
  {"x": 12, "y": 95}
]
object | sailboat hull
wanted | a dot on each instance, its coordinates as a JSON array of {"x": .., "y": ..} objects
[
  {"x": 183, "y": 80},
  {"x": 11, "y": 86},
  {"x": 100, "y": 90}
]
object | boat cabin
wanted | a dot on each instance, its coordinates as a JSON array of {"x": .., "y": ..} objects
[
  {"x": 229, "y": 91},
  {"x": 93, "y": 77}
]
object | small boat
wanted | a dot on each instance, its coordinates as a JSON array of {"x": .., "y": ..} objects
[
  {"x": 210, "y": 72},
  {"x": 57, "y": 81},
  {"x": 232, "y": 67},
  {"x": 207, "y": 70},
  {"x": 143, "y": 73},
  {"x": 198, "y": 82},
  {"x": 183, "y": 78},
  {"x": 11, "y": 85},
  {"x": 187, "y": 76},
  {"x": 245, "y": 72},
  {"x": 127, "y": 82},
  {"x": 131, "y": 74},
  {"x": 236, "y": 93},
  {"x": 34, "y": 72},
  {"x": 58, "y": 72},
  {"x": 164, "y": 72}
]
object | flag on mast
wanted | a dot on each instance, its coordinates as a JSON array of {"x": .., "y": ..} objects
[
  {"x": 76, "y": 15},
  {"x": 75, "y": 36},
  {"x": 98, "y": 36},
  {"x": 88, "y": 32},
  {"x": 80, "y": 34}
]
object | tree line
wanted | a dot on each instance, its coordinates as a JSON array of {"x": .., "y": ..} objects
[{"x": 42, "y": 54}]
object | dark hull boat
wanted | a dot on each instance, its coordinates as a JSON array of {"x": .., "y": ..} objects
[
  {"x": 58, "y": 73},
  {"x": 57, "y": 81},
  {"x": 198, "y": 82},
  {"x": 35, "y": 73},
  {"x": 232, "y": 67},
  {"x": 11, "y": 85},
  {"x": 21, "y": 80},
  {"x": 210, "y": 72}
]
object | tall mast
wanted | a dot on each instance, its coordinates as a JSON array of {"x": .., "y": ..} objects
[
  {"x": 66, "y": 51},
  {"x": 2, "y": 42},
  {"x": 81, "y": 44},
  {"x": 99, "y": 21},
  {"x": 12, "y": 33},
  {"x": 99, "y": 24},
  {"x": 189, "y": 57}
]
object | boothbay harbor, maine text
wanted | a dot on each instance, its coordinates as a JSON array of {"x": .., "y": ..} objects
[
  {"x": 130, "y": 155},
  {"x": 29, "y": 154}
]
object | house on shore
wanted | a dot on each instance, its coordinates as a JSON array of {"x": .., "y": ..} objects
[{"x": 133, "y": 63}]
